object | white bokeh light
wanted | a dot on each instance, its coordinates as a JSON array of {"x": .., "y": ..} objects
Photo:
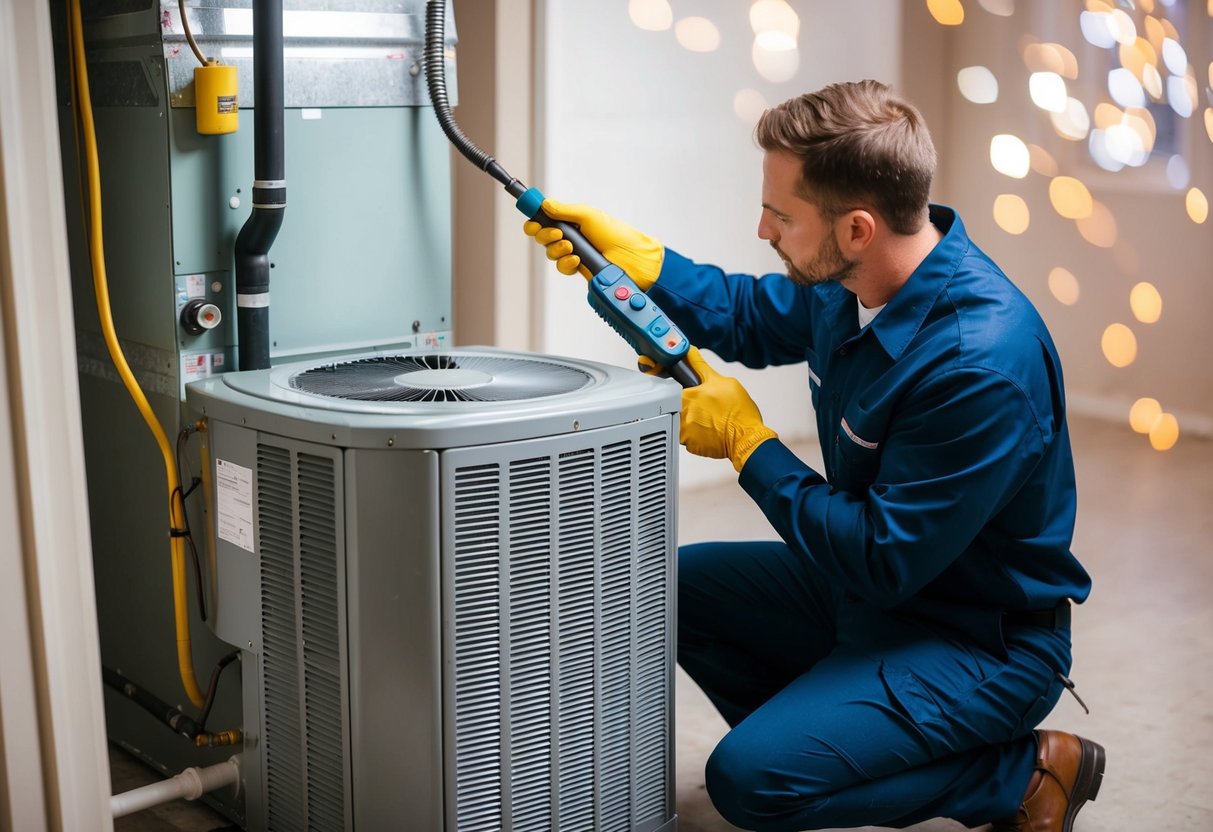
[
  {"x": 1010, "y": 156},
  {"x": 977, "y": 84},
  {"x": 1097, "y": 144},
  {"x": 1178, "y": 96},
  {"x": 1178, "y": 175},
  {"x": 1174, "y": 57},
  {"x": 749, "y": 105},
  {"x": 651, "y": 15},
  {"x": 775, "y": 16},
  {"x": 1074, "y": 123},
  {"x": 698, "y": 34},
  {"x": 1096, "y": 29},
  {"x": 775, "y": 65},
  {"x": 1048, "y": 91},
  {"x": 1125, "y": 89}
]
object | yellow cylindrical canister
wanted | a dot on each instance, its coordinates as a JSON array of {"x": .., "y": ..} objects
[{"x": 215, "y": 97}]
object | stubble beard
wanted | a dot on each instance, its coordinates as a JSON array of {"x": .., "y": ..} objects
[{"x": 827, "y": 265}]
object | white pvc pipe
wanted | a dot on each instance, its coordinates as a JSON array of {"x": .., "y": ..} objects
[{"x": 189, "y": 785}]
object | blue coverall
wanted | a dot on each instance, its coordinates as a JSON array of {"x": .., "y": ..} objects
[{"x": 863, "y": 661}]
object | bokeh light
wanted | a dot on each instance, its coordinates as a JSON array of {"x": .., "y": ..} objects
[
  {"x": 767, "y": 16},
  {"x": 1209, "y": 122},
  {"x": 1064, "y": 286},
  {"x": 1002, "y": 8},
  {"x": 651, "y": 15},
  {"x": 1125, "y": 89},
  {"x": 775, "y": 65},
  {"x": 1178, "y": 174},
  {"x": 1070, "y": 197},
  {"x": 749, "y": 105},
  {"x": 1099, "y": 229},
  {"x": 1050, "y": 57},
  {"x": 1144, "y": 413},
  {"x": 1074, "y": 123},
  {"x": 1048, "y": 91},
  {"x": 1122, "y": 27},
  {"x": 1198, "y": 205},
  {"x": 1174, "y": 57},
  {"x": 1042, "y": 161},
  {"x": 1119, "y": 345},
  {"x": 1096, "y": 29},
  {"x": 1181, "y": 95},
  {"x": 1009, "y": 155},
  {"x": 946, "y": 12},
  {"x": 1165, "y": 432},
  {"x": 977, "y": 84},
  {"x": 1146, "y": 303},
  {"x": 1011, "y": 213},
  {"x": 698, "y": 34}
]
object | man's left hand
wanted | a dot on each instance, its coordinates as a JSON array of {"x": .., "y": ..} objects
[{"x": 719, "y": 419}]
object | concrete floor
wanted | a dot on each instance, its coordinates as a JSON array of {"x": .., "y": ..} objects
[{"x": 1143, "y": 649}]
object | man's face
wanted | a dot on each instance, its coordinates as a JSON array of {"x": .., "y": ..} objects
[{"x": 795, "y": 228}]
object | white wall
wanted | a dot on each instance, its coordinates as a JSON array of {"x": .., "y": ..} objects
[
  {"x": 633, "y": 123},
  {"x": 53, "y": 757}
]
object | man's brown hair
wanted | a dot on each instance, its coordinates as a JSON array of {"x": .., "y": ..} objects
[{"x": 861, "y": 145}]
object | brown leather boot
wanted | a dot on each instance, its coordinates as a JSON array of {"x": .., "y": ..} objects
[{"x": 1070, "y": 773}]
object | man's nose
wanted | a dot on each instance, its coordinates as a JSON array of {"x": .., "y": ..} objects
[{"x": 765, "y": 232}]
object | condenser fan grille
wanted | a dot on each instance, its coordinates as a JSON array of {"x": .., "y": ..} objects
[{"x": 437, "y": 377}]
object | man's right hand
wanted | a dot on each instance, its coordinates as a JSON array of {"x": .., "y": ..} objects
[{"x": 636, "y": 253}]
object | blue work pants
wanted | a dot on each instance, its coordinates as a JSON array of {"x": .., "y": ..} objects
[{"x": 846, "y": 715}]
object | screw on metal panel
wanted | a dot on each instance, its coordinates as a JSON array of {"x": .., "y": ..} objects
[
  {"x": 250, "y": 644},
  {"x": 391, "y": 441},
  {"x": 416, "y": 326},
  {"x": 576, "y": 425}
]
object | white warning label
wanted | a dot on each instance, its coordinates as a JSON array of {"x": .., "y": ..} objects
[{"x": 234, "y": 488}]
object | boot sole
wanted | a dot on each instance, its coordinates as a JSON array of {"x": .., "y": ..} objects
[{"x": 1087, "y": 781}]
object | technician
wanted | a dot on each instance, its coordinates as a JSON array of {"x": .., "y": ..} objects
[{"x": 887, "y": 659}]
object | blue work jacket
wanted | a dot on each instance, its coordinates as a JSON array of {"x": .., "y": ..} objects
[{"x": 948, "y": 490}]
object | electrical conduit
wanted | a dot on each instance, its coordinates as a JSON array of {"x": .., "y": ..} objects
[
  {"x": 190, "y": 784},
  {"x": 104, "y": 312},
  {"x": 269, "y": 190}
]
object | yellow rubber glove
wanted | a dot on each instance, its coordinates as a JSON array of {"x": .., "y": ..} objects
[
  {"x": 636, "y": 253},
  {"x": 719, "y": 419}
]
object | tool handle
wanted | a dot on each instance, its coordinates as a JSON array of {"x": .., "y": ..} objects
[{"x": 619, "y": 301}]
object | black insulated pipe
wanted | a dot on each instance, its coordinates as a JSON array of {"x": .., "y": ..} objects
[
  {"x": 172, "y": 717},
  {"x": 269, "y": 189}
]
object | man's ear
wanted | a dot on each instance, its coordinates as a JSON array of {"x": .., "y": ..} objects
[{"x": 855, "y": 230}]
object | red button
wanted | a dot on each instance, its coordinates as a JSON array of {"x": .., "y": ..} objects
[{"x": 623, "y": 292}]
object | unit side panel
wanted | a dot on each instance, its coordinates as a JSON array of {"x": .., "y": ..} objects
[
  {"x": 557, "y": 630},
  {"x": 395, "y": 657}
]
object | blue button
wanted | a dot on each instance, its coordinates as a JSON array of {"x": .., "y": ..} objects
[
  {"x": 659, "y": 327},
  {"x": 637, "y": 301}
]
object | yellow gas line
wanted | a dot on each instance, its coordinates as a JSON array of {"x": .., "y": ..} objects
[{"x": 101, "y": 288}]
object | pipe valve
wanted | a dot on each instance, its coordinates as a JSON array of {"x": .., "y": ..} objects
[{"x": 198, "y": 316}]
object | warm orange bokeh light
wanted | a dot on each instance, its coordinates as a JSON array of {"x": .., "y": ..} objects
[
  {"x": 1146, "y": 303},
  {"x": 1011, "y": 213},
  {"x": 1165, "y": 433},
  {"x": 1143, "y": 414},
  {"x": 946, "y": 12},
  {"x": 1070, "y": 198},
  {"x": 1119, "y": 345}
]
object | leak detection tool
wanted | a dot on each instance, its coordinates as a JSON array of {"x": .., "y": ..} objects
[{"x": 612, "y": 293}]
